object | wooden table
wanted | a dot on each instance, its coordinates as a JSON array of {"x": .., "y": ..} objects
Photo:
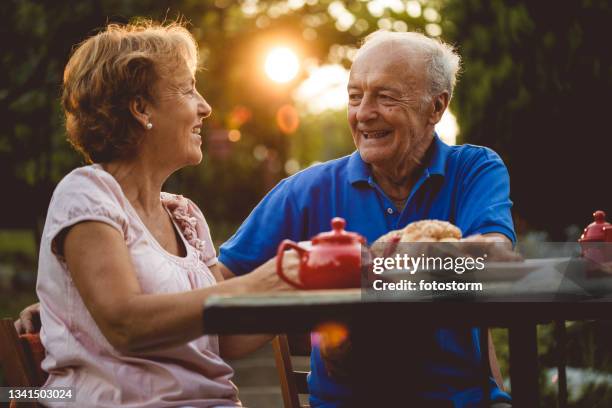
[{"x": 374, "y": 317}]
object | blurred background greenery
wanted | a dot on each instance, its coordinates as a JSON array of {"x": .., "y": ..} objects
[{"x": 534, "y": 86}]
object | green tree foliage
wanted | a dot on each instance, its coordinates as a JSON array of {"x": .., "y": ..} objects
[
  {"x": 535, "y": 86},
  {"x": 38, "y": 36}
]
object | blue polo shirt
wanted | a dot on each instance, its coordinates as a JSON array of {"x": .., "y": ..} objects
[{"x": 466, "y": 185}]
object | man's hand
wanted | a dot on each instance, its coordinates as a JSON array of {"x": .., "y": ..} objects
[
  {"x": 497, "y": 247},
  {"x": 29, "y": 320}
]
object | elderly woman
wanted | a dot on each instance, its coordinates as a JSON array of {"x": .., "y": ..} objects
[{"x": 124, "y": 268}]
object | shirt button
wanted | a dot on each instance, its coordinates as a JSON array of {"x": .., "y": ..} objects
[{"x": 389, "y": 210}]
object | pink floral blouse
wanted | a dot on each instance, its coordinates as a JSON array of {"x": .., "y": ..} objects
[{"x": 78, "y": 355}]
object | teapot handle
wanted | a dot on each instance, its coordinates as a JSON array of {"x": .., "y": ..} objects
[{"x": 279, "y": 261}]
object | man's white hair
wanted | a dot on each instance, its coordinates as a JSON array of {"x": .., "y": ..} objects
[{"x": 441, "y": 59}]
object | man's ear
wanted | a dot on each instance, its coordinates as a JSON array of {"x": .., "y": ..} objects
[
  {"x": 140, "y": 110},
  {"x": 440, "y": 103}
]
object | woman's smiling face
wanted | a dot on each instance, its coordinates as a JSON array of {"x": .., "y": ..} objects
[{"x": 177, "y": 116}]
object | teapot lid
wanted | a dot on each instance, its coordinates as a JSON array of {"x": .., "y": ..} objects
[
  {"x": 338, "y": 234},
  {"x": 595, "y": 230}
]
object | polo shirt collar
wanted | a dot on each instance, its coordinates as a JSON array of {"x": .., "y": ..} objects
[
  {"x": 359, "y": 171},
  {"x": 439, "y": 156}
]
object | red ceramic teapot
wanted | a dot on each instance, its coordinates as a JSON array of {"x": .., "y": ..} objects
[
  {"x": 599, "y": 231},
  {"x": 333, "y": 262}
]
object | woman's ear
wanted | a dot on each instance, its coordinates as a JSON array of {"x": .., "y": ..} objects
[
  {"x": 140, "y": 109},
  {"x": 440, "y": 103}
]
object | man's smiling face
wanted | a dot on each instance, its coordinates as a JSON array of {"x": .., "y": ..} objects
[{"x": 386, "y": 113}]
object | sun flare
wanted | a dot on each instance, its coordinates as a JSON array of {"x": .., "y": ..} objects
[{"x": 282, "y": 64}]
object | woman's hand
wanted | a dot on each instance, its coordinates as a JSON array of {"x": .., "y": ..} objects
[
  {"x": 266, "y": 279},
  {"x": 29, "y": 320}
]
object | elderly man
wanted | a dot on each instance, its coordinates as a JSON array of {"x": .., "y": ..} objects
[{"x": 400, "y": 85}]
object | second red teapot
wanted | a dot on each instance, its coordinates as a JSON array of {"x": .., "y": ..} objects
[{"x": 596, "y": 238}]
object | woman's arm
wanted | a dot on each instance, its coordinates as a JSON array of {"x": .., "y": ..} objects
[
  {"x": 237, "y": 346},
  {"x": 102, "y": 271}
]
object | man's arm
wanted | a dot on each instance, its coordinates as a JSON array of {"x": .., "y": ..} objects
[
  {"x": 483, "y": 196},
  {"x": 497, "y": 237}
]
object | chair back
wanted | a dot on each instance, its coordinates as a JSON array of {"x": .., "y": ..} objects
[
  {"x": 20, "y": 358},
  {"x": 293, "y": 382}
]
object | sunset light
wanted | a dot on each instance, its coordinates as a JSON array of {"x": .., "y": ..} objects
[{"x": 281, "y": 64}]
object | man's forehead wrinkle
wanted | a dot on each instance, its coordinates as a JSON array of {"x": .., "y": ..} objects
[
  {"x": 403, "y": 49},
  {"x": 389, "y": 55},
  {"x": 394, "y": 77}
]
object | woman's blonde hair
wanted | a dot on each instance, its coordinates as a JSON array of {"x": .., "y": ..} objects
[{"x": 107, "y": 71}]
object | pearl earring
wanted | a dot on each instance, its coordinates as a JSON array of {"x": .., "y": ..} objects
[{"x": 149, "y": 126}]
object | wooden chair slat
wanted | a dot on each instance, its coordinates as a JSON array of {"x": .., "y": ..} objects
[{"x": 292, "y": 382}]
